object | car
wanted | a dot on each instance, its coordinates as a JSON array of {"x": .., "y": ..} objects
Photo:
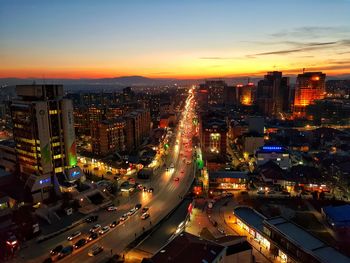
[
  {"x": 131, "y": 180},
  {"x": 95, "y": 228},
  {"x": 65, "y": 252},
  {"x": 74, "y": 235},
  {"x": 144, "y": 210},
  {"x": 112, "y": 208},
  {"x": 138, "y": 206},
  {"x": 140, "y": 186},
  {"x": 145, "y": 216},
  {"x": 260, "y": 192},
  {"x": 80, "y": 243},
  {"x": 124, "y": 217},
  {"x": 91, "y": 219},
  {"x": 95, "y": 250},
  {"x": 104, "y": 230},
  {"x": 114, "y": 224},
  {"x": 145, "y": 189},
  {"x": 56, "y": 250},
  {"x": 116, "y": 177},
  {"x": 132, "y": 211},
  {"x": 176, "y": 179},
  {"x": 92, "y": 236},
  {"x": 151, "y": 190}
]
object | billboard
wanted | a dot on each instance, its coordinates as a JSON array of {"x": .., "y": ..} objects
[
  {"x": 43, "y": 130},
  {"x": 68, "y": 132}
]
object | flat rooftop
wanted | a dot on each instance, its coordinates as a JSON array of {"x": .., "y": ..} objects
[
  {"x": 250, "y": 216},
  {"x": 306, "y": 241},
  {"x": 188, "y": 248}
]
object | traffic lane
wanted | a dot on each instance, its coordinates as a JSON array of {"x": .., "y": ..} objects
[
  {"x": 173, "y": 186},
  {"x": 105, "y": 218},
  {"x": 118, "y": 240}
]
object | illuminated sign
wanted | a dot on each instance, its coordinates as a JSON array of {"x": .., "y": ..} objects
[
  {"x": 44, "y": 181},
  {"x": 75, "y": 173},
  {"x": 272, "y": 148}
]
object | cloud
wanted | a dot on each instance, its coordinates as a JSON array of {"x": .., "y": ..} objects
[
  {"x": 313, "y": 32},
  {"x": 304, "y": 46}
]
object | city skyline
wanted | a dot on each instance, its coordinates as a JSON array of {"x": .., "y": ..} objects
[{"x": 182, "y": 39}]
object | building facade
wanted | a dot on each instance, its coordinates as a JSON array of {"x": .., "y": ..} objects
[
  {"x": 43, "y": 130},
  {"x": 310, "y": 86}
]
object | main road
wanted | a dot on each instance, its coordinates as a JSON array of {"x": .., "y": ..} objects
[{"x": 171, "y": 183}]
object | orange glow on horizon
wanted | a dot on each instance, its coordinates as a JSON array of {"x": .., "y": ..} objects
[{"x": 96, "y": 73}]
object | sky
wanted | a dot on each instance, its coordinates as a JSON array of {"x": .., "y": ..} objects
[{"x": 181, "y": 39}]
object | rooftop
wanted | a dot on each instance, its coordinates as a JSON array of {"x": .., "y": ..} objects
[
  {"x": 339, "y": 215},
  {"x": 228, "y": 174},
  {"x": 306, "y": 241},
  {"x": 250, "y": 216},
  {"x": 182, "y": 248}
]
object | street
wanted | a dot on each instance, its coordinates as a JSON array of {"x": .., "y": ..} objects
[{"x": 167, "y": 194}]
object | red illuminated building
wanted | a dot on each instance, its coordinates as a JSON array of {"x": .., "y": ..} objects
[{"x": 310, "y": 86}]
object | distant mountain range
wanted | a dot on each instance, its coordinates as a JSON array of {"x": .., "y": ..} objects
[{"x": 119, "y": 82}]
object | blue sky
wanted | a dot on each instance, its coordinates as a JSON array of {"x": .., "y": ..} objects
[{"x": 178, "y": 38}]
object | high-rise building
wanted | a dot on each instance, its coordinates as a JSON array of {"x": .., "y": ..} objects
[
  {"x": 245, "y": 93},
  {"x": 43, "y": 130},
  {"x": 138, "y": 124},
  {"x": 272, "y": 91},
  {"x": 310, "y": 86},
  {"x": 216, "y": 91},
  {"x": 108, "y": 137}
]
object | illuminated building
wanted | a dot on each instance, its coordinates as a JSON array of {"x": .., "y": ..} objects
[
  {"x": 108, "y": 137},
  {"x": 245, "y": 93},
  {"x": 310, "y": 86},
  {"x": 43, "y": 130},
  {"x": 277, "y": 154},
  {"x": 216, "y": 91},
  {"x": 273, "y": 94},
  {"x": 213, "y": 136},
  {"x": 138, "y": 125}
]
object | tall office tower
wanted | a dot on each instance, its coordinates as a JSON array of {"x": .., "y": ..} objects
[
  {"x": 43, "y": 130},
  {"x": 270, "y": 93},
  {"x": 216, "y": 91},
  {"x": 309, "y": 86}
]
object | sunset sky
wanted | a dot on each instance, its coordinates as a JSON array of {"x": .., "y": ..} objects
[{"x": 182, "y": 38}]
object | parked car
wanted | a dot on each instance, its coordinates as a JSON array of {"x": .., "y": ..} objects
[
  {"x": 151, "y": 190},
  {"x": 112, "y": 208},
  {"x": 114, "y": 224},
  {"x": 74, "y": 235},
  {"x": 91, "y": 219},
  {"x": 144, "y": 210},
  {"x": 56, "y": 250},
  {"x": 132, "y": 211},
  {"x": 138, "y": 206},
  {"x": 80, "y": 243},
  {"x": 96, "y": 249},
  {"x": 104, "y": 230},
  {"x": 124, "y": 217},
  {"x": 95, "y": 228},
  {"x": 92, "y": 236},
  {"x": 65, "y": 252},
  {"x": 145, "y": 216}
]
